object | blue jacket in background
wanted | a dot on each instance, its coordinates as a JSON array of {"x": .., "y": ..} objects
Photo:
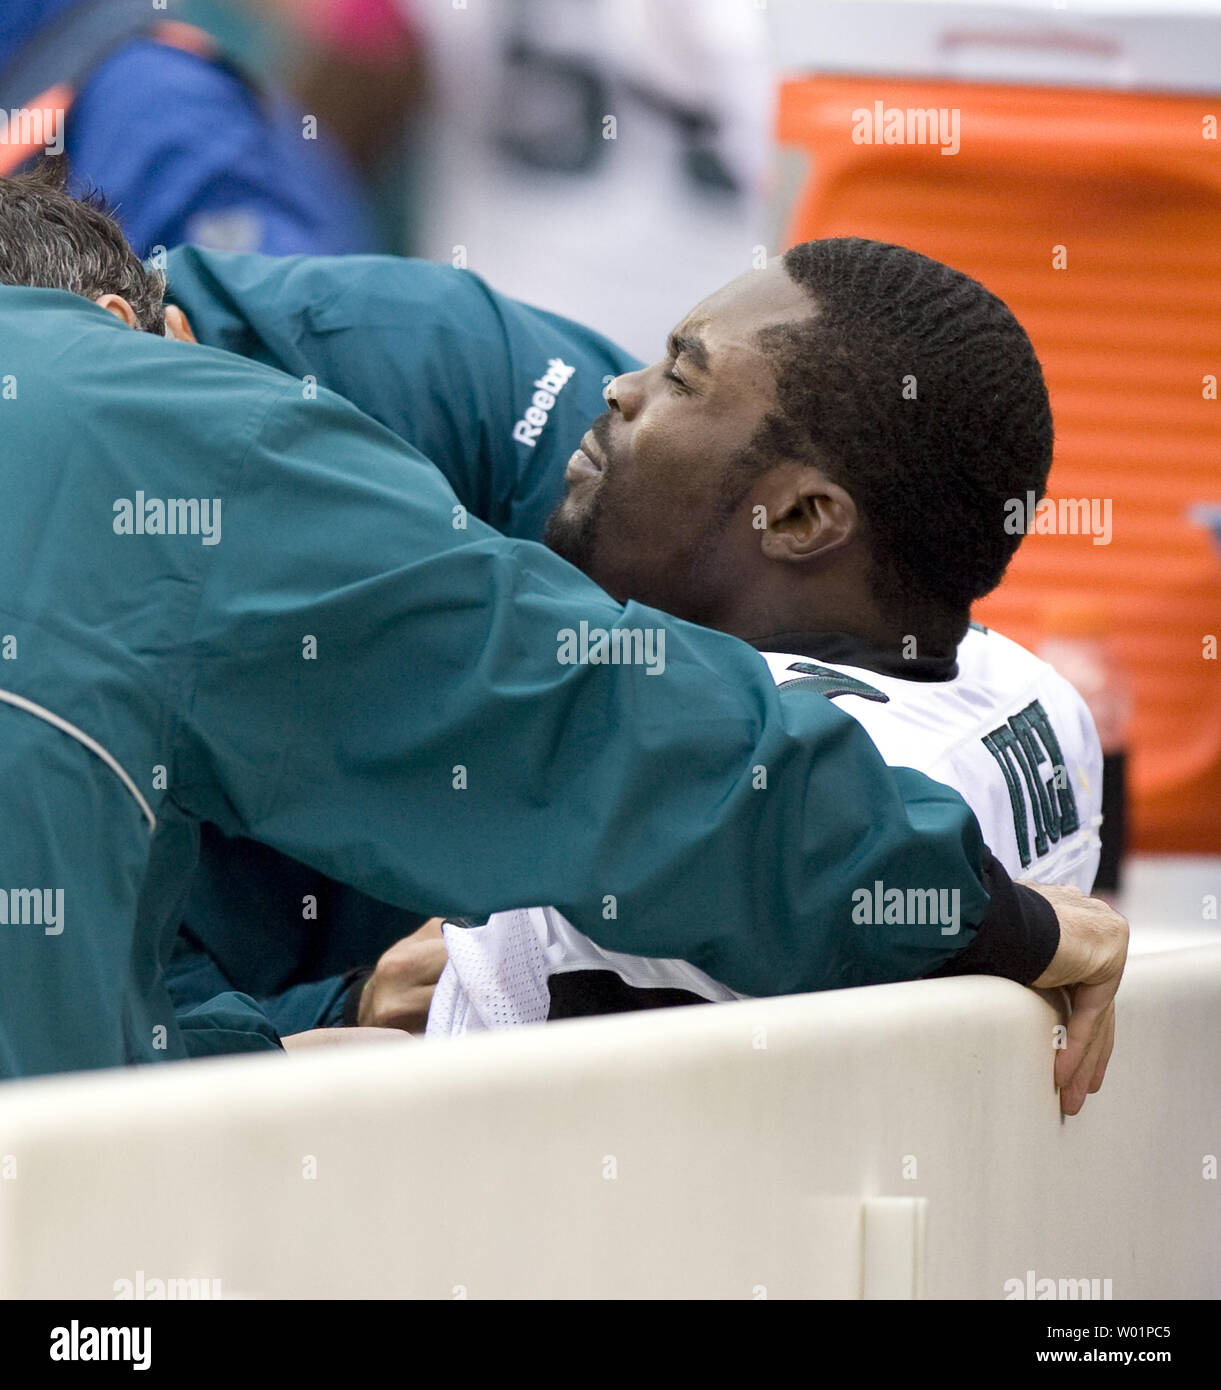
[{"x": 185, "y": 147}]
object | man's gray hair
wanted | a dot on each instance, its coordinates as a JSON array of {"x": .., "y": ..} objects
[{"x": 50, "y": 240}]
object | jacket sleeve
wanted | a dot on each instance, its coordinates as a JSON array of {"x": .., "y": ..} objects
[
  {"x": 391, "y": 700},
  {"x": 227, "y": 1023},
  {"x": 213, "y": 1016},
  {"x": 433, "y": 353},
  {"x": 313, "y": 1004}
]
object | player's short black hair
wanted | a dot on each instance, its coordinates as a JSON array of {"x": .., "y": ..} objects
[
  {"x": 915, "y": 389},
  {"x": 53, "y": 241}
]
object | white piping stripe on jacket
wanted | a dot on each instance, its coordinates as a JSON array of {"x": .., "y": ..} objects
[{"x": 20, "y": 702}]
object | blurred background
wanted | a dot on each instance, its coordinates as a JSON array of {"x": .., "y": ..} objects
[{"x": 617, "y": 160}]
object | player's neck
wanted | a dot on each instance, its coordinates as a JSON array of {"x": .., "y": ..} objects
[{"x": 858, "y": 618}]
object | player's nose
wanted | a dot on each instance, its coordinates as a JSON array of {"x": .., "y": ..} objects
[{"x": 624, "y": 394}]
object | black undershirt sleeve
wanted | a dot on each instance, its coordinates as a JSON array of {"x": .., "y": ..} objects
[
  {"x": 1018, "y": 936},
  {"x": 355, "y": 980}
]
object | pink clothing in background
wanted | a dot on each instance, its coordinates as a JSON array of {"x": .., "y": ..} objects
[{"x": 370, "y": 30}]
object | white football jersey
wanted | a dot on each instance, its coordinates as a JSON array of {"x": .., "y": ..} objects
[{"x": 1007, "y": 732}]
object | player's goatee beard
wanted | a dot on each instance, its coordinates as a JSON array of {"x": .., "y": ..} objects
[{"x": 573, "y": 538}]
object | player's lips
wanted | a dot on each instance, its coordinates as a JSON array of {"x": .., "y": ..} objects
[{"x": 586, "y": 462}]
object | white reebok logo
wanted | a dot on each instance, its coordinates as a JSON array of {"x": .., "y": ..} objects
[{"x": 527, "y": 430}]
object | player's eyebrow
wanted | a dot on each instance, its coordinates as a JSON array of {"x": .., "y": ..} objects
[{"x": 686, "y": 342}]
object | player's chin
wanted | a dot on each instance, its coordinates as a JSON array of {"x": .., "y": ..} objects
[
  {"x": 570, "y": 528},
  {"x": 572, "y": 512}
]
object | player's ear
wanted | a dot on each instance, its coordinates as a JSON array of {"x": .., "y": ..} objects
[
  {"x": 118, "y": 306},
  {"x": 177, "y": 325},
  {"x": 807, "y": 514}
]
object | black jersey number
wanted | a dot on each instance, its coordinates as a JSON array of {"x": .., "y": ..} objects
[{"x": 1023, "y": 747}]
